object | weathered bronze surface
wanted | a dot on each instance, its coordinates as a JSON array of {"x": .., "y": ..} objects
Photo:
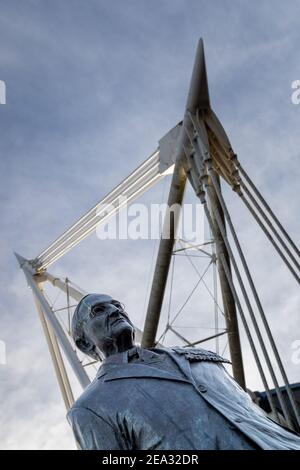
[{"x": 160, "y": 398}]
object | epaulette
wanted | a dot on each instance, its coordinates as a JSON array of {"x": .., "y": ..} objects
[{"x": 196, "y": 354}]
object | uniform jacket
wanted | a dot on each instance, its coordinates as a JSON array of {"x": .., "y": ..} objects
[{"x": 195, "y": 406}]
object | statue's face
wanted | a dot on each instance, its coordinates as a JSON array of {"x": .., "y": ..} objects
[{"x": 108, "y": 327}]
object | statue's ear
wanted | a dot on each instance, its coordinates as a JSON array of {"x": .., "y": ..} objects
[{"x": 85, "y": 346}]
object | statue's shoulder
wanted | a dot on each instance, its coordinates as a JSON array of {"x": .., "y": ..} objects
[
  {"x": 88, "y": 396},
  {"x": 198, "y": 354}
]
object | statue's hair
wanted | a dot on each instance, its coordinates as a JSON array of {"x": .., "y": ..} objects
[{"x": 77, "y": 330}]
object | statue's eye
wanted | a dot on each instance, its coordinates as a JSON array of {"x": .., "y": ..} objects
[{"x": 98, "y": 309}]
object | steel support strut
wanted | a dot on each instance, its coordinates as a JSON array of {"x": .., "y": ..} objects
[
  {"x": 234, "y": 342},
  {"x": 164, "y": 257},
  {"x": 57, "y": 360},
  {"x": 51, "y": 318}
]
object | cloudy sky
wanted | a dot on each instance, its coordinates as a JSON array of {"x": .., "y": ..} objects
[{"x": 91, "y": 87}]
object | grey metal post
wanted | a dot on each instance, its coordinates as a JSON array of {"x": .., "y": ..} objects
[
  {"x": 164, "y": 257},
  {"x": 234, "y": 342},
  {"x": 197, "y": 168}
]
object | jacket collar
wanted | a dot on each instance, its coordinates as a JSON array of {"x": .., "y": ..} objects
[
  {"x": 123, "y": 357},
  {"x": 136, "y": 370},
  {"x": 117, "y": 366}
]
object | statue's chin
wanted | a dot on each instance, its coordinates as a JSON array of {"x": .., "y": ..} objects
[
  {"x": 124, "y": 337},
  {"x": 119, "y": 339}
]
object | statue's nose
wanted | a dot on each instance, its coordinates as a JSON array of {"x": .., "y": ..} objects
[{"x": 113, "y": 311}]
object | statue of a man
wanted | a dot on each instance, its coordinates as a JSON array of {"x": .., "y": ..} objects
[{"x": 160, "y": 398}]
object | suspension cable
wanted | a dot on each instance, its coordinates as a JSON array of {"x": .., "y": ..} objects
[
  {"x": 269, "y": 236},
  {"x": 258, "y": 303},
  {"x": 266, "y": 205},
  {"x": 198, "y": 186},
  {"x": 249, "y": 307},
  {"x": 208, "y": 162},
  {"x": 242, "y": 315},
  {"x": 204, "y": 179},
  {"x": 270, "y": 225}
]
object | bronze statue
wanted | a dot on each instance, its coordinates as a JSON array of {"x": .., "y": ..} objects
[{"x": 160, "y": 398}]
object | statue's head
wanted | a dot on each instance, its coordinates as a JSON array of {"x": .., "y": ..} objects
[{"x": 101, "y": 327}]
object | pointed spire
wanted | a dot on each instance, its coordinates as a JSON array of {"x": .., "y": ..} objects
[
  {"x": 20, "y": 259},
  {"x": 198, "y": 97}
]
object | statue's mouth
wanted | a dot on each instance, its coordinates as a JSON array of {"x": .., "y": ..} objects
[{"x": 117, "y": 320}]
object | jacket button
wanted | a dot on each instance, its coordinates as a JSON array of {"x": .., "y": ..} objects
[{"x": 202, "y": 389}]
